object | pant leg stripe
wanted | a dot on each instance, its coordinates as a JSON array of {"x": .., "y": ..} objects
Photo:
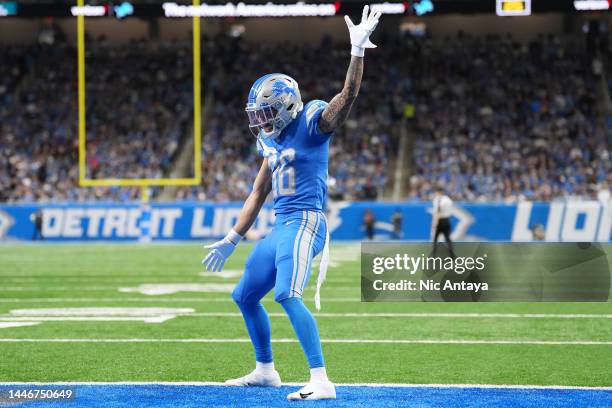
[
  {"x": 303, "y": 251},
  {"x": 310, "y": 254},
  {"x": 296, "y": 249}
]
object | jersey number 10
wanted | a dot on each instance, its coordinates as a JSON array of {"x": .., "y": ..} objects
[{"x": 283, "y": 178}]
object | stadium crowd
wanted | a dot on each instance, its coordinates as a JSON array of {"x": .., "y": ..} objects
[
  {"x": 491, "y": 119},
  {"x": 504, "y": 121},
  {"x": 138, "y": 108}
]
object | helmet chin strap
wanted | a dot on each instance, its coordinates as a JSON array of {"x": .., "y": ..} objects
[
  {"x": 274, "y": 134},
  {"x": 267, "y": 135},
  {"x": 280, "y": 123}
]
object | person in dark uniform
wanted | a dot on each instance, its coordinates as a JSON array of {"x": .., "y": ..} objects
[
  {"x": 368, "y": 223},
  {"x": 37, "y": 219},
  {"x": 397, "y": 221},
  {"x": 442, "y": 210}
]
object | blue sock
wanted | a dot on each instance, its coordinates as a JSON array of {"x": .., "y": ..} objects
[
  {"x": 258, "y": 325},
  {"x": 306, "y": 329}
]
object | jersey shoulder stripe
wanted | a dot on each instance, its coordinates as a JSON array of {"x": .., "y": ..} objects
[{"x": 313, "y": 107}]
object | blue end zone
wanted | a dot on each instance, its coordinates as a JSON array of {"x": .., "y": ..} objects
[{"x": 152, "y": 395}]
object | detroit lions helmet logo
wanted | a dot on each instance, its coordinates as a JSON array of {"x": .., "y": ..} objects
[{"x": 280, "y": 87}]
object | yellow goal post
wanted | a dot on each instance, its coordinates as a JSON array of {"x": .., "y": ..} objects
[{"x": 143, "y": 183}]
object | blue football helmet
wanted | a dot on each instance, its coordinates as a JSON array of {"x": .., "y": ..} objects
[{"x": 274, "y": 101}]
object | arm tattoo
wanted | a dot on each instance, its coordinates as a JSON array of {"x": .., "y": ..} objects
[{"x": 339, "y": 107}]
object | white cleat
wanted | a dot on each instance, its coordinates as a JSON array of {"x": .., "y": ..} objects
[
  {"x": 257, "y": 378},
  {"x": 314, "y": 391}
]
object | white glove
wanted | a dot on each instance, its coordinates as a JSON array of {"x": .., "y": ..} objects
[
  {"x": 360, "y": 34},
  {"x": 220, "y": 251}
]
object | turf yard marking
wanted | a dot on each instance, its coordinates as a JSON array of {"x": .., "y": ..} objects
[
  {"x": 335, "y": 341},
  {"x": 101, "y": 311},
  {"x": 227, "y": 299},
  {"x": 153, "y": 289},
  {"x": 156, "y": 319},
  {"x": 8, "y": 325},
  {"x": 226, "y": 274},
  {"x": 273, "y": 314},
  {"x": 55, "y": 288},
  {"x": 108, "y": 314},
  {"x": 395, "y": 315},
  {"x": 348, "y": 395},
  {"x": 428, "y": 315}
]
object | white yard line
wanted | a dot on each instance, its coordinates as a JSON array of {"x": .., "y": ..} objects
[
  {"x": 120, "y": 299},
  {"x": 427, "y": 315},
  {"x": 381, "y": 385},
  {"x": 9, "y": 325},
  {"x": 145, "y": 319},
  {"x": 95, "y": 280},
  {"x": 364, "y": 315},
  {"x": 55, "y": 288},
  {"x": 337, "y": 341}
]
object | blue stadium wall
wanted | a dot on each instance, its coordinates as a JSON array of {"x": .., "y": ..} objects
[{"x": 562, "y": 221}]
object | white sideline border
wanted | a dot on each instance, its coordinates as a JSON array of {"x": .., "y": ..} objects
[
  {"x": 298, "y": 384},
  {"x": 334, "y": 341}
]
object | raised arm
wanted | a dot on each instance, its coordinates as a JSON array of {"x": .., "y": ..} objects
[
  {"x": 221, "y": 250},
  {"x": 338, "y": 109}
]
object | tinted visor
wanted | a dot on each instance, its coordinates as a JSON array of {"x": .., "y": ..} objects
[{"x": 261, "y": 116}]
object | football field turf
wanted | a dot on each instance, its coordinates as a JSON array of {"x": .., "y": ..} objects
[{"x": 147, "y": 314}]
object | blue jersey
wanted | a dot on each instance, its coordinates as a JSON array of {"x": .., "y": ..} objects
[{"x": 298, "y": 159}]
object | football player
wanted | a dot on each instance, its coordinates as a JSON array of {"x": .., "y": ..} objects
[{"x": 293, "y": 138}]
